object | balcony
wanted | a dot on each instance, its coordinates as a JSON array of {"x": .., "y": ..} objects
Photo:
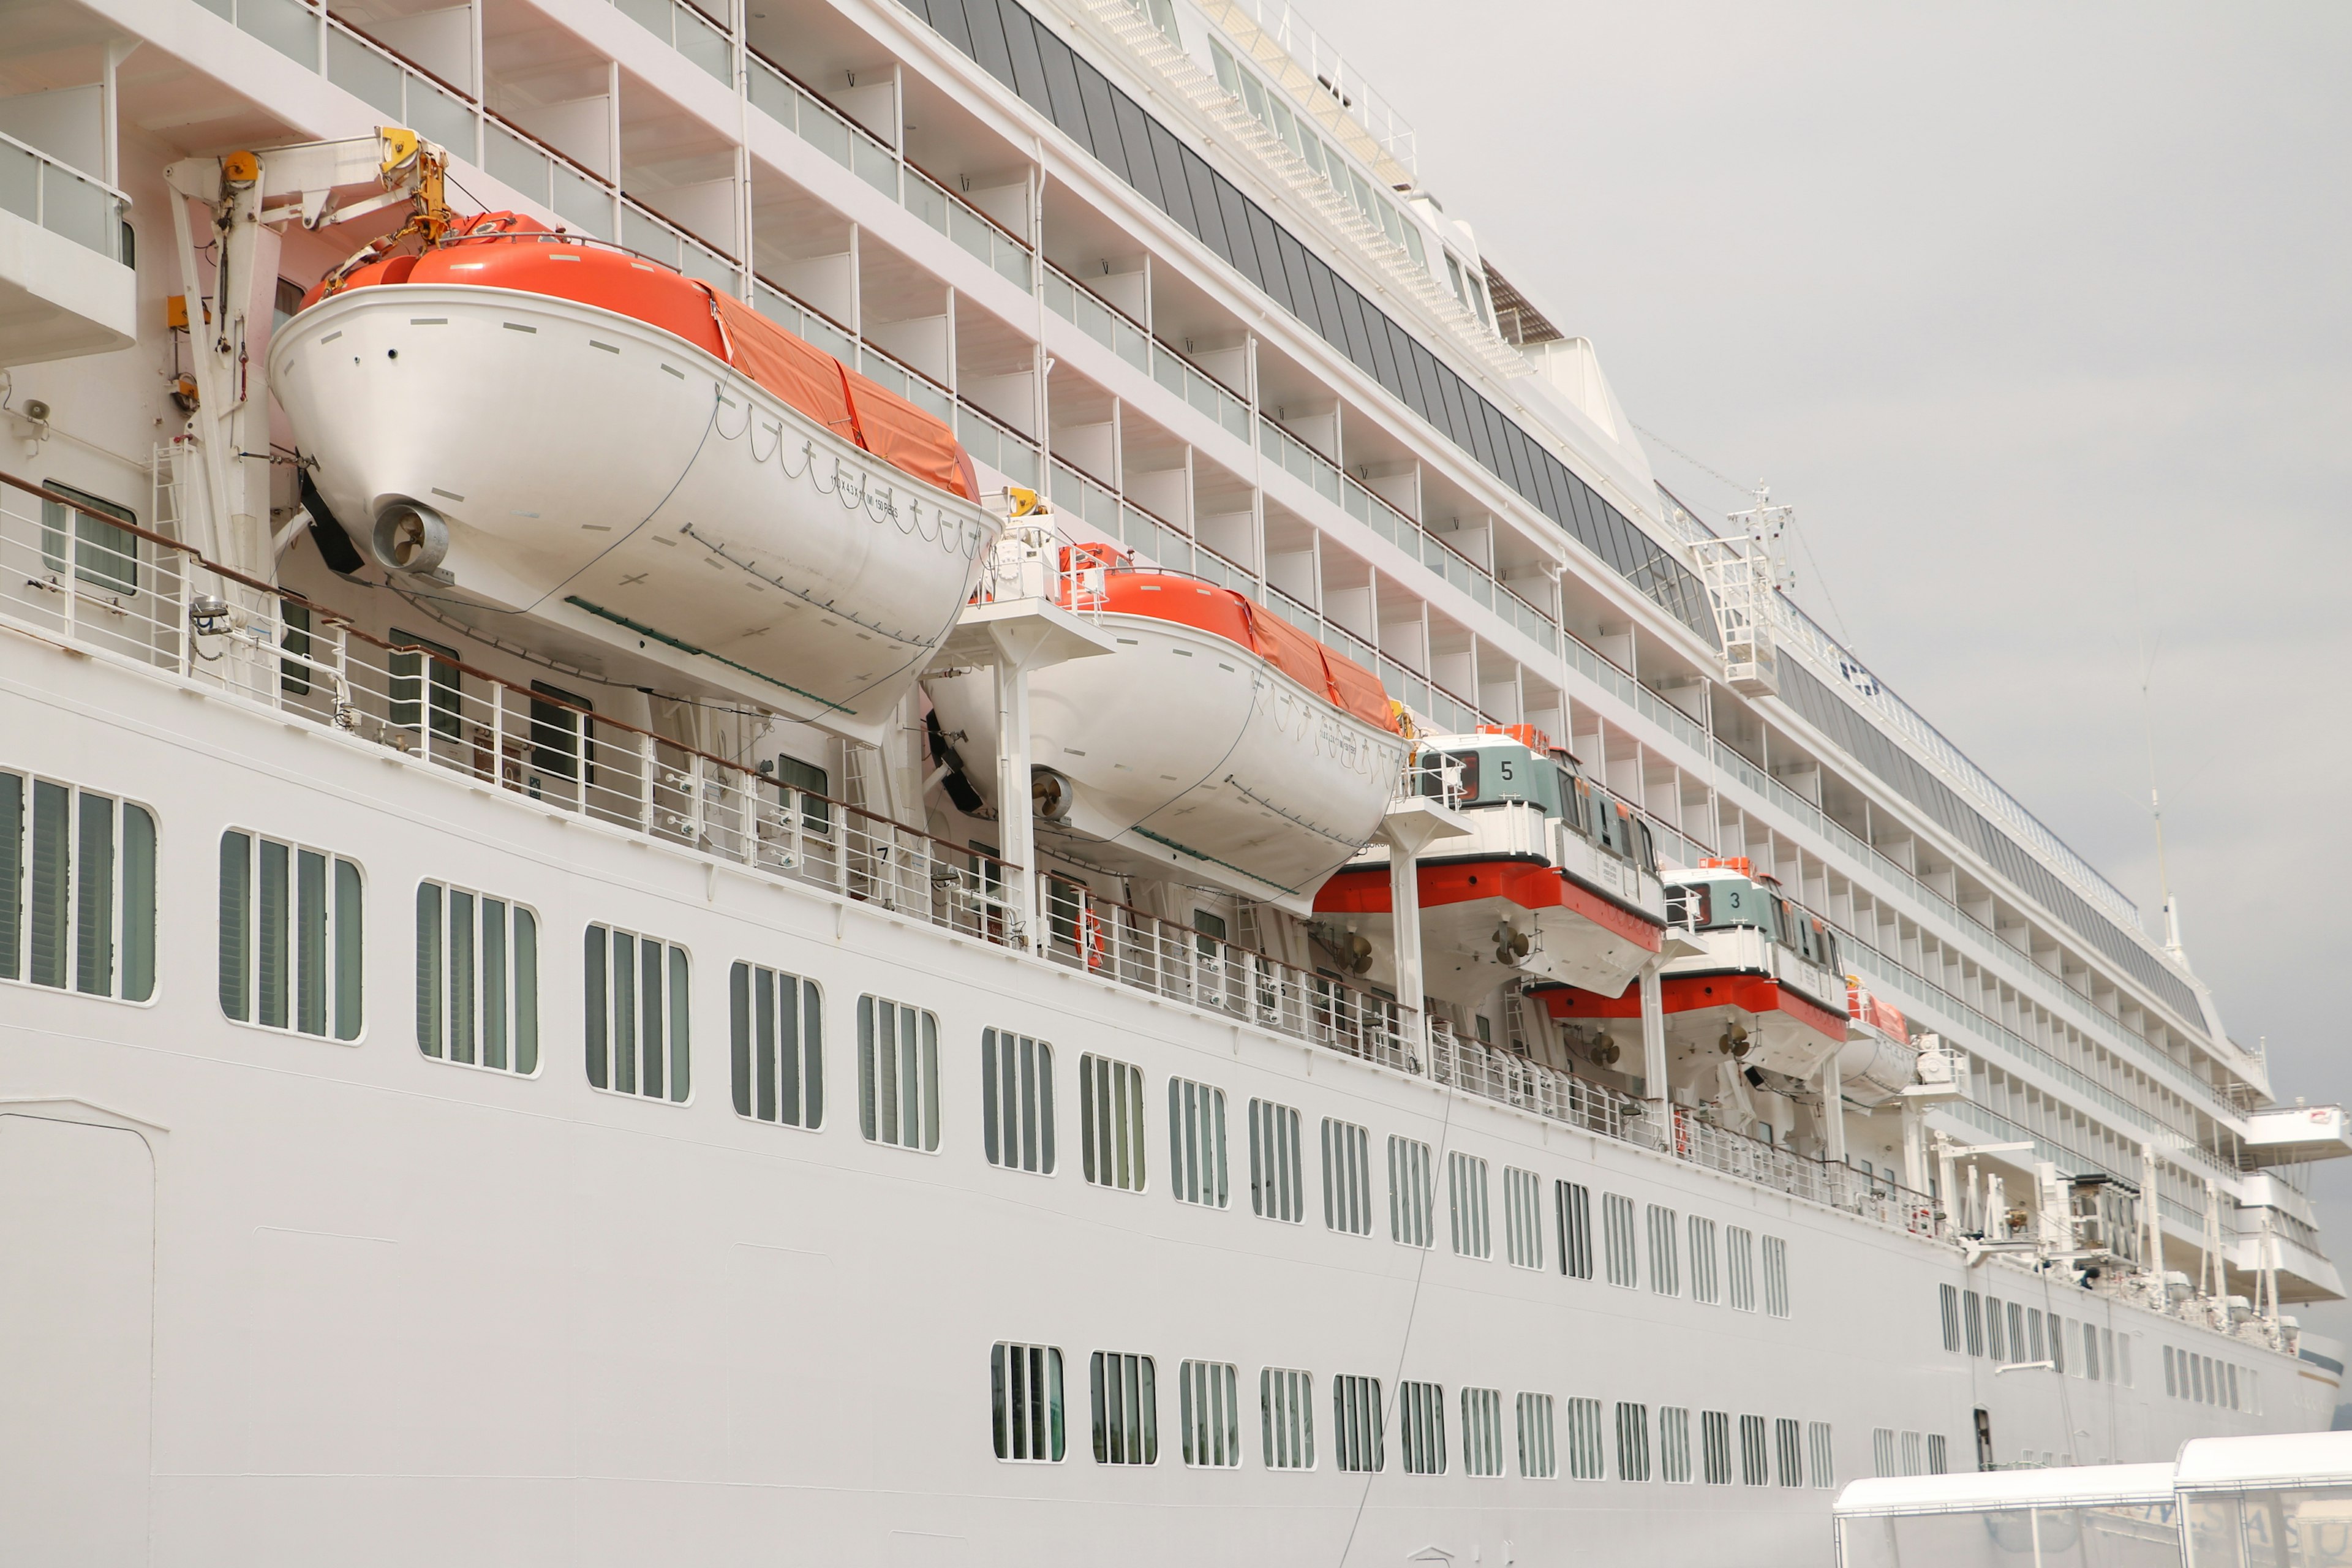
[
  {"x": 65, "y": 283},
  {"x": 2292, "y": 1134}
]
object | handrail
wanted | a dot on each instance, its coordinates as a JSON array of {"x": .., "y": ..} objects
[{"x": 63, "y": 167}]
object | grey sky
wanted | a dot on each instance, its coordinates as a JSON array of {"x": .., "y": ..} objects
[{"x": 2039, "y": 315}]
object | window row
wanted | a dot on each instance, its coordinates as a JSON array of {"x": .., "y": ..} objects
[
  {"x": 2206, "y": 1380},
  {"x": 2015, "y": 1334},
  {"x": 1894, "y": 1452},
  {"x": 1534, "y": 1435}
]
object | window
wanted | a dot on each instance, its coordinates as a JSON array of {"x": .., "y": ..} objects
[
  {"x": 77, "y": 892},
  {"x": 1575, "y": 1205},
  {"x": 1412, "y": 1200},
  {"x": 1126, "y": 1412},
  {"x": 103, "y": 552},
  {"x": 1027, "y": 1382},
  {"x": 1016, "y": 1101},
  {"x": 562, "y": 736},
  {"x": 1948, "y": 1296},
  {"x": 476, "y": 979},
  {"x": 776, "y": 1046},
  {"x": 1776, "y": 1277},
  {"x": 1617, "y": 1239},
  {"x": 637, "y": 1040},
  {"x": 1212, "y": 1427},
  {"x": 1286, "y": 1404},
  {"x": 1755, "y": 1458},
  {"x": 1882, "y": 1450},
  {"x": 2123, "y": 1349},
  {"x": 1356, "y": 1423},
  {"x": 2033, "y": 1335},
  {"x": 1277, "y": 1191},
  {"x": 409, "y": 677},
  {"x": 2017, "y": 1341},
  {"x": 1633, "y": 1442},
  {"x": 1674, "y": 1445},
  {"x": 1585, "y": 1454},
  {"x": 1788, "y": 1441},
  {"x": 1665, "y": 1267},
  {"x": 1421, "y": 1428},
  {"x": 1739, "y": 1266},
  {"x": 1347, "y": 1177},
  {"x": 1715, "y": 1432},
  {"x": 813, "y": 785},
  {"x": 2171, "y": 1385},
  {"x": 1914, "y": 1462},
  {"x": 2090, "y": 1352},
  {"x": 1705, "y": 1285},
  {"x": 1938, "y": 1454},
  {"x": 1538, "y": 1455},
  {"x": 289, "y": 933},
  {"x": 897, "y": 1074},
  {"x": 1972, "y": 1321},
  {"x": 1523, "y": 1216},
  {"x": 1466, "y": 1196},
  {"x": 1996, "y": 1340},
  {"x": 1481, "y": 1431},
  {"x": 1110, "y": 1112},
  {"x": 2058, "y": 1343},
  {"x": 1196, "y": 1143},
  {"x": 2107, "y": 1356}
]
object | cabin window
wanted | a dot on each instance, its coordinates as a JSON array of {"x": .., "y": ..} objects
[
  {"x": 1437, "y": 768},
  {"x": 1755, "y": 1452},
  {"x": 1356, "y": 1424},
  {"x": 1466, "y": 1194},
  {"x": 1126, "y": 1409},
  {"x": 1026, "y": 1382},
  {"x": 1645, "y": 846},
  {"x": 897, "y": 1074},
  {"x": 1788, "y": 1444},
  {"x": 1347, "y": 1177},
  {"x": 1412, "y": 1193},
  {"x": 2017, "y": 1340},
  {"x": 1948, "y": 1299},
  {"x": 290, "y": 935},
  {"x": 1111, "y": 1111},
  {"x": 1277, "y": 1190},
  {"x": 476, "y": 979},
  {"x": 1016, "y": 1101},
  {"x": 2171, "y": 1386},
  {"x": 2107, "y": 1353},
  {"x": 1196, "y": 1143},
  {"x": 2089, "y": 1362},
  {"x": 776, "y": 1046},
  {"x": 1715, "y": 1436},
  {"x": 562, "y": 736},
  {"x": 1665, "y": 1267},
  {"x": 1633, "y": 1442},
  {"x": 1538, "y": 1452},
  {"x": 1740, "y": 1260},
  {"x": 1575, "y": 1205},
  {"x": 636, "y": 1015},
  {"x": 2034, "y": 1335},
  {"x": 1481, "y": 1431},
  {"x": 413, "y": 687},
  {"x": 1776, "y": 1277},
  {"x": 1915, "y": 1461},
  {"x": 1617, "y": 1240},
  {"x": 77, "y": 892},
  {"x": 1674, "y": 1445},
  {"x": 1587, "y": 1458},
  {"x": 1420, "y": 1429},
  {"x": 1995, "y": 1340},
  {"x": 1523, "y": 1216},
  {"x": 1208, "y": 933},
  {"x": 1212, "y": 1429},
  {"x": 1572, "y": 802},
  {"x": 1972, "y": 1321},
  {"x": 813, "y": 785},
  {"x": 1882, "y": 1450},
  {"x": 104, "y": 554},
  {"x": 1824, "y": 1465},
  {"x": 1706, "y": 1285},
  {"x": 1287, "y": 1417},
  {"x": 1938, "y": 1453}
]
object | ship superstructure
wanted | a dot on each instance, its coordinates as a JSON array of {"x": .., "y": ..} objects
[{"x": 915, "y": 779}]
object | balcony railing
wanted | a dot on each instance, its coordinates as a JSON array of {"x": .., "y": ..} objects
[{"x": 61, "y": 199}]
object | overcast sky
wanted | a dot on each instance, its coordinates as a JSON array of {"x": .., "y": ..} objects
[{"x": 2039, "y": 315}]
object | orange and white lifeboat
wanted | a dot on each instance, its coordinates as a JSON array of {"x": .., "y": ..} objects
[
  {"x": 1219, "y": 743},
  {"x": 1879, "y": 1061},
  {"x": 551, "y": 427}
]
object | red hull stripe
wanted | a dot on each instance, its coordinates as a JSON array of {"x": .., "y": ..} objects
[
  {"x": 1531, "y": 887},
  {"x": 1693, "y": 993}
]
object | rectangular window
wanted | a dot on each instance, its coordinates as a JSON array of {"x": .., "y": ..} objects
[
  {"x": 411, "y": 677},
  {"x": 2233, "y": 1388},
  {"x": 1754, "y": 1455},
  {"x": 1466, "y": 1199},
  {"x": 104, "y": 554},
  {"x": 2058, "y": 1343},
  {"x": 1972, "y": 1321},
  {"x": 1587, "y": 1458},
  {"x": 1212, "y": 1426},
  {"x": 1538, "y": 1452},
  {"x": 1413, "y": 1198},
  {"x": 1575, "y": 1203},
  {"x": 1110, "y": 1112},
  {"x": 1948, "y": 1298},
  {"x": 1715, "y": 1433},
  {"x": 562, "y": 736},
  {"x": 2090, "y": 1353},
  {"x": 1481, "y": 1431},
  {"x": 2107, "y": 1353},
  {"x": 1824, "y": 1464},
  {"x": 1914, "y": 1456},
  {"x": 1027, "y": 1385},
  {"x": 813, "y": 784},
  {"x": 1739, "y": 1266},
  {"x": 78, "y": 890},
  {"x": 1523, "y": 1216},
  {"x": 1787, "y": 1443},
  {"x": 1347, "y": 1177},
  {"x": 476, "y": 979},
  {"x": 1287, "y": 1406},
  {"x": 1016, "y": 1101},
  {"x": 776, "y": 1046},
  {"x": 1617, "y": 1240},
  {"x": 1706, "y": 1284},
  {"x": 1937, "y": 1455},
  {"x": 1421, "y": 1428},
  {"x": 1674, "y": 1445},
  {"x": 637, "y": 1014},
  {"x": 1633, "y": 1442},
  {"x": 2033, "y": 1335},
  {"x": 1196, "y": 1143},
  {"x": 2017, "y": 1341},
  {"x": 1356, "y": 1423},
  {"x": 2171, "y": 1386},
  {"x": 1776, "y": 1277},
  {"x": 1127, "y": 1412},
  {"x": 289, "y": 937},
  {"x": 897, "y": 1074},
  {"x": 1278, "y": 1188},
  {"x": 1665, "y": 1268},
  {"x": 1882, "y": 1450}
]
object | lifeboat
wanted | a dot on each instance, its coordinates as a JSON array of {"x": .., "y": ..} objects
[
  {"x": 1878, "y": 1061},
  {"x": 1555, "y": 881},
  {"x": 1218, "y": 742},
  {"x": 546, "y": 426}
]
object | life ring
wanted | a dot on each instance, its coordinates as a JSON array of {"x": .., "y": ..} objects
[{"x": 1090, "y": 938}]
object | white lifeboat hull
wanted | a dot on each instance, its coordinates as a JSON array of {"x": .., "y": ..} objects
[{"x": 602, "y": 473}]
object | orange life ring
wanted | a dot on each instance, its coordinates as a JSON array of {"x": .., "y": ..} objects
[{"x": 1091, "y": 938}]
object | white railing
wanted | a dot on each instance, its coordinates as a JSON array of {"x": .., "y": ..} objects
[
  {"x": 1514, "y": 1079},
  {"x": 60, "y": 198},
  {"x": 1124, "y": 336},
  {"x": 1330, "y": 91}
]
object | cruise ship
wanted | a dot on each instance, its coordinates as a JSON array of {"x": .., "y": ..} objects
[{"x": 914, "y": 783}]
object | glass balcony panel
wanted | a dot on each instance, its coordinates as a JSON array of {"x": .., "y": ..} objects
[
  {"x": 517, "y": 162},
  {"x": 774, "y": 97},
  {"x": 20, "y": 182},
  {"x": 284, "y": 25},
  {"x": 582, "y": 203},
  {"x": 648, "y": 236},
  {"x": 706, "y": 45},
  {"x": 877, "y": 166},
  {"x": 365, "y": 75},
  {"x": 440, "y": 117},
  {"x": 78, "y": 210}
]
